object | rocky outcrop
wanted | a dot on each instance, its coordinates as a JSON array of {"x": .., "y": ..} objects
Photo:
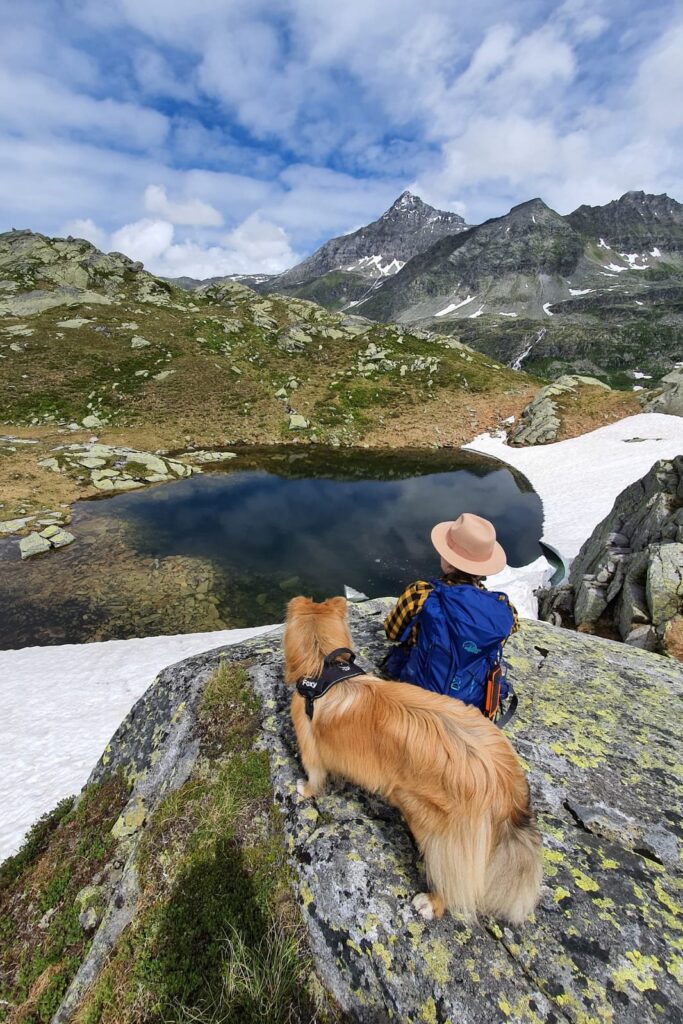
[
  {"x": 628, "y": 576},
  {"x": 670, "y": 398},
  {"x": 603, "y": 783},
  {"x": 635, "y": 221},
  {"x": 114, "y": 468},
  {"x": 42, "y": 273},
  {"x": 541, "y": 421}
]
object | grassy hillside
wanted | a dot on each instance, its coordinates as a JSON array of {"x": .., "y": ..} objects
[{"x": 86, "y": 335}]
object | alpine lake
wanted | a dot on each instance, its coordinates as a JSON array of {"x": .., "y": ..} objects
[{"x": 229, "y": 547}]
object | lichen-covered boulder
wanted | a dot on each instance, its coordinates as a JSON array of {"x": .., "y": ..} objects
[
  {"x": 628, "y": 576},
  {"x": 602, "y": 748},
  {"x": 670, "y": 398},
  {"x": 541, "y": 420}
]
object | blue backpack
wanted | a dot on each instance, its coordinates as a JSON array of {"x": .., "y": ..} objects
[{"x": 459, "y": 650}]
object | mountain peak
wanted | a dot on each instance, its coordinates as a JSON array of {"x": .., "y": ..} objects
[
  {"x": 407, "y": 199},
  {"x": 381, "y": 248},
  {"x": 634, "y": 222},
  {"x": 532, "y": 206}
]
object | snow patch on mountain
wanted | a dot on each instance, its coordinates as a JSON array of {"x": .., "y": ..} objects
[{"x": 455, "y": 305}]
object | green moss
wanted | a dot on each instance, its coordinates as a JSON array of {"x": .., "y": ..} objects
[
  {"x": 218, "y": 935},
  {"x": 34, "y": 843},
  {"x": 40, "y": 885}
]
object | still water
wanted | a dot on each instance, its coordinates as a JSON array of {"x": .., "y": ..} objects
[{"x": 231, "y": 547}]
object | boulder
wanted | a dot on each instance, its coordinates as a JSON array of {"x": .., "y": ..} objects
[
  {"x": 540, "y": 422},
  {"x": 596, "y": 735},
  {"x": 92, "y": 421},
  {"x": 298, "y": 422},
  {"x": 62, "y": 539},
  {"x": 293, "y": 339},
  {"x": 139, "y": 342},
  {"x": 664, "y": 584},
  {"x": 670, "y": 398},
  {"x": 629, "y": 573},
  {"x": 33, "y": 545}
]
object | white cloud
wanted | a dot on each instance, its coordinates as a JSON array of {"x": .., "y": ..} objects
[
  {"x": 312, "y": 117},
  {"x": 181, "y": 211},
  {"x": 147, "y": 240},
  {"x": 86, "y": 228},
  {"x": 260, "y": 244},
  {"x": 254, "y": 246},
  {"x": 36, "y": 105}
]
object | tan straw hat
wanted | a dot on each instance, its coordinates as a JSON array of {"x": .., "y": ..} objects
[{"x": 469, "y": 543}]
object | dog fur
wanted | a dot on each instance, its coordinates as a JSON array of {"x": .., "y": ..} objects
[{"x": 453, "y": 774}]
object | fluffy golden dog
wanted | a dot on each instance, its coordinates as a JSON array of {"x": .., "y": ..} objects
[{"x": 453, "y": 774}]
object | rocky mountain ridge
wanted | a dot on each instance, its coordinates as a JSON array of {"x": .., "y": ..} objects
[
  {"x": 379, "y": 249},
  {"x": 598, "y": 292}
]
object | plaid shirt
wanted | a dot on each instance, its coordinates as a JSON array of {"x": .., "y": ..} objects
[{"x": 413, "y": 597}]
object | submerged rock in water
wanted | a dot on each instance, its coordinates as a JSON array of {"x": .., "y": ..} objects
[
  {"x": 33, "y": 545},
  {"x": 599, "y": 945}
]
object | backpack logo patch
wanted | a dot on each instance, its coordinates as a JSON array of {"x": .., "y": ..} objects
[{"x": 470, "y": 646}]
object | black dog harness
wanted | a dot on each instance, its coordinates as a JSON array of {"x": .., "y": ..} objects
[{"x": 335, "y": 670}]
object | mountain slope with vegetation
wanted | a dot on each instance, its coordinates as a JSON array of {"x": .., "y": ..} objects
[{"x": 94, "y": 340}]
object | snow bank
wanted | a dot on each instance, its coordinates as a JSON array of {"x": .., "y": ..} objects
[
  {"x": 578, "y": 480},
  {"x": 61, "y": 706}
]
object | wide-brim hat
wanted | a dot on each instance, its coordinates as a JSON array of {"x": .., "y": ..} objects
[{"x": 469, "y": 543}]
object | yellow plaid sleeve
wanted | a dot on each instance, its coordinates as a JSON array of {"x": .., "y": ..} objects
[
  {"x": 515, "y": 616},
  {"x": 408, "y": 605}
]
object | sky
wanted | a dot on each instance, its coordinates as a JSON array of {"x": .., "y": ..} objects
[{"x": 207, "y": 137}]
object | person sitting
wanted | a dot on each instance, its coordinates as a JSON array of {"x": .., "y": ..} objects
[{"x": 450, "y": 631}]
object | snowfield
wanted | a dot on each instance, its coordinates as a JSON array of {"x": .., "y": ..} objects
[
  {"x": 61, "y": 705},
  {"x": 578, "y": 480}
]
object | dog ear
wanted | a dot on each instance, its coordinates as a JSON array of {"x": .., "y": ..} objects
[
  {"x": 297, "y": 604},
  {"x": 337, "y": 604}
]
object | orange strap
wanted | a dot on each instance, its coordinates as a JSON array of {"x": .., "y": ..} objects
[{"x": 492, "y": 698}]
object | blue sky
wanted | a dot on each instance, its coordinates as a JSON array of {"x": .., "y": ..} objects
[{"x": 215, "y": 136}]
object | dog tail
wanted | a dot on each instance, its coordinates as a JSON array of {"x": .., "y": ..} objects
[
  {"x": 481, "y": 867},
  {"x": 455, "y": 861},
  {"x": 514, "y": 873}
]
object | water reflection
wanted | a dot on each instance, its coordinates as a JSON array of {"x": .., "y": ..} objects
[{"x": 279, "y": 523}]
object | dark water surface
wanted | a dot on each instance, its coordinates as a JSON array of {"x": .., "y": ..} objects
[{"x": 270, "y": 525}]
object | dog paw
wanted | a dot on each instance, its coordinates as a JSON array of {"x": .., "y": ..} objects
[
  {"x": 301, "y": 785},
  {"x": 423, "y": 904}
]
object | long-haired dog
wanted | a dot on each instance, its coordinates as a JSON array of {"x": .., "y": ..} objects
[{"x": 453, "y": 774}]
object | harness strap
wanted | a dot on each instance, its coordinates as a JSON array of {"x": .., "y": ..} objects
[{"x": 335, "y": 670}]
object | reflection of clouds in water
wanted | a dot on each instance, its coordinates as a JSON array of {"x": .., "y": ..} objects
[{"x": 328, "y": 532}]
